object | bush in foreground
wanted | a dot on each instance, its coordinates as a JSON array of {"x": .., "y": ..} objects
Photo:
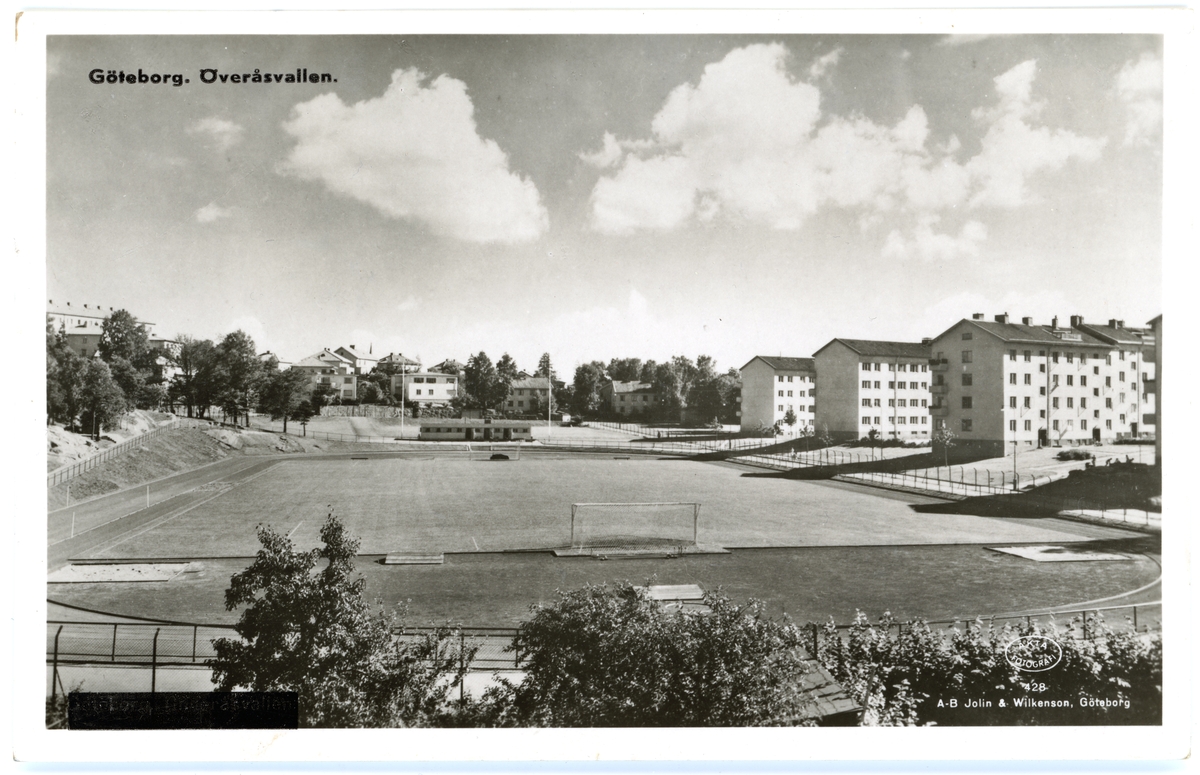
[{"x": 314, "y": 633}]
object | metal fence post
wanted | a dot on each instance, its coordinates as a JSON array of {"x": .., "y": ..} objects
[
  {"x": 154, "y": 661},
  {"x": 54, "y": 672},
  {"x": 114, "y": 643},
  {"x": 195, "y": 627}
]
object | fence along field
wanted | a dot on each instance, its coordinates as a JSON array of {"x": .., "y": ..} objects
[{"x": 427, "y": 504}]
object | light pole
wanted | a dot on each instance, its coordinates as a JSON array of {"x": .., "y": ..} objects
[{"x": 1015, "y": 443}]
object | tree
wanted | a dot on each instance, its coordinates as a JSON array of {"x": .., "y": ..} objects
[
  {"x": 64, "y": 378},
  {"x": 369, "y": 393},
  {"x": 314, "y": 633},
  {"x": 649, "y": 371},
  {"x": 506, "y": 374},
  {"x": 625, "y": 369},
  {"x": 790, "y": 419},
  {"x": 449, "y": 366},
  {"x": 196, "y": 384},
  {"x": 479, "y": 383},
  {"x": 545, "y": 368},
  {"x": 706, "y": 369},
  {"x": 873, "y": 440},
  {"x": 101, "y": 401},
  {"x": 610, "y": 656},
  {"x": 807, "y": 432},
  {"x": 943, "y": 437},
  {"x": 285, "y": 395},
  {"x": 122, "y": 336},
  {"x": 240, "y": 373},
  {"x": 586, "y": 389}
]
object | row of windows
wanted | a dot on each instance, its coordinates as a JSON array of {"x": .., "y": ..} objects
[
  {"x": 866, "y": 383},
  {"x": 917, "y": 420},
  {"x": 901, "y": 402},
  {"x": 431, "y": 380},
  {"x": 645, "y": 399},
  {"x": 460, "y": 430},
  {"x": 798, "y": 379},
  {"x": 896, "y": 367},
  {"x": 811, "y": 392},
  {"x": 800, "y": 408}
]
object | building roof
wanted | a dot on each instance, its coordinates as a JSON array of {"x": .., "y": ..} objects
[
  {"x": 357, "y": 354},
  {"x": 1119, "y": 334},
  {"x": 785, "y": 364},
  {"x": 433, "y": 422},
  {"x": 323, "y": 358},
  {"x": 399, "y": 358},
  {"x": 1017, "y": 332},
  {"x": 632, "y": 387},
  {"x": 532, "y": 383},
  {"x": 872, "y": 348}
]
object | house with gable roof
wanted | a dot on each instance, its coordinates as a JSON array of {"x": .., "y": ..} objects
[{"x": 329, "y": 368}]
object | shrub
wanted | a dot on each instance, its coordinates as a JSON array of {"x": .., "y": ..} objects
[{"x": 1075, "y": 454}]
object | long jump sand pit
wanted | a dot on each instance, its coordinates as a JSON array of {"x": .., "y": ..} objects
[{"x": 443, "y": 504}]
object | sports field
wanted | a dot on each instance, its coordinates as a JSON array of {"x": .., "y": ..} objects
[{"x": 452, "y": 504}]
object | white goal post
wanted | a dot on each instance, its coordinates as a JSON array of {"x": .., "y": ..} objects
[{"x": 675, "y": 522}]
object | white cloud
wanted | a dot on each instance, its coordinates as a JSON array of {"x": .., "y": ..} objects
[
  {"x": 607, "y": 156},
  {"x": 744, "y": 143},
  {"x": 1013, "y": 149},
  {"x": 253, "y": 328},
  {"x": 928, "y": 245},
  {"x": 1139, "y": 85},
  {"x": 409, "y": 304},
  {"x": 415, "y": 153},
  {"x": 818, "y": 68},
  {"x": 1042, "y": 306},
  {"x": 220, "y": 132},
  {"x": 962, "y": 40},
  {"x": 211, "y": 212}
]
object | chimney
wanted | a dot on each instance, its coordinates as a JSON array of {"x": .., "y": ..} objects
[
  {"x": 1054, "y": 322},
  {"x": 1002, "y": 318},
  {"x": 1120, "y": 324},
  {"x": 1112, "y": 322},
  {"x": 1076, "y": 321},
  {"x": 1027, "y": 321},
  {"x": 926, "y": 340},
  {"x": 977, "y": 316}
]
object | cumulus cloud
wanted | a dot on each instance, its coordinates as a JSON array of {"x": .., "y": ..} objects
[
  {"x": 750, "y": 142},
  {"x": 929, "y": 245},
  {"x": 211, "y": 212},
  {"x": 254, "y": 328},
  {"x": 961, "y": 40},
  {"x": 221, "y": 133},
  {"x": 1139, "y": 86},
  {"x": 415, "y": 153},
  {"x": 818, "y": 68}
]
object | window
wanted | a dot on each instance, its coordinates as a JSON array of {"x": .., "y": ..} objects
[
  {"x": 902, "y": 402},
  {"x": 789, "y": 379},
  {"x": 876, "y": 420},
  {"x": 903, "y": 367},
  {"x": 891, "y": 402},
  {"x": 866, "y": 367},
  {"x": 1027, "y": 401},
  {"x": 1121, "y": 355},
  {"x": 1041, "y": 353},
  {"x": 1108, "y": 382},
  {"x": 1070, "y": 402},
  {"x": 1012, "y": 378},
  {"x": 1070, "y": 357},
  {"x": 966, "y": 424},
  {"x": 924, "y": 420},
  {"x": 1028, "y": 425},
  {"x": 1121, "y": 375},
  {"x": 876, "y": 367},
  {"x": 924, "y": 385},
  {"x": 1083, "y": 425},
  {"x": 876, "y": 384},
  {"x": 900, "y": 421},
  {"x": 876, "y": 404},
  {"x": 866, "y": 402},
  {"x": 789, "y": 394},
  {"x": 966, "y": 380},
  {"x": 1042, "y": 413},
  {"x": 812, "y": 391},
  {"x": 1042, "y": 368},
  {"x": 1095, "y": 391},
  {"x": 1095, "y": 370},
  {"x": 1122, "y": 419},
  {"x": 1054, "y": 379},
  {"x": 1108, "y": 403},
  {"x": 418, "y": 379},
  {"x": 966, "y": 356},
  {"x": 1056, "y": 425},
  {"x": 1070, "y": 379},
  {"x": 891, "y": 385},
  {"x": 1083, "y": 403},
  {"x": 1108, "y": 360},
  {"x": 1042, "y": 390},
  {"x": 924, "y": 367},
  {"x": 418, "y": 391},
  {"x": 901, "y": 385},
  {"x": 924, "y": 402},
  {"x": 1122, "y": 399},
  {"x": 1083, "y": 380},
  {"x": 781, "y": 407},
  {"x": 1012, "y": 355},
  {"x": 967, "y": 335},
  {"x": 1028, "y": 355},
  {"x": 891, "y": 420},
  {"x": 1096, "y": 413},
  {"x": 1012, "y": 425},
  {"x": 1054, "y": 356},
  {"x": 781, "y": 394},
  {"x": 1133, "y": 387},
  {"x": 866, "y": 420},
  {"x": 1053, "y": 403},
  {"x": 1028, "y": 379},
  {"x": 1108, "y": 424},
  {"x": 1012, "y": 402},
  {"x": 966, "y": 402},
  {"x": 866, "y": 384},
  {"x": 623, "y": 398},
  {"x": 780, "y": 378}
]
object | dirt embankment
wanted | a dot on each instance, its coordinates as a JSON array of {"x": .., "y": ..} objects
[
  {"x": 170, "y": 452},
  {"x": 64, "y": 447}
]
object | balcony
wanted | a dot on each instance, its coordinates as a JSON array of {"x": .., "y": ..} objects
[
  {"x": 939, "y": 365},
  {"x": 939, "y": 390},
  {"x": 939, "y": 411}
]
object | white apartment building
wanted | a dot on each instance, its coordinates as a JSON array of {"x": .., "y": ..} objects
[
  {"x": 868, "y": 385},
  {"x": 773, "y": 385}
]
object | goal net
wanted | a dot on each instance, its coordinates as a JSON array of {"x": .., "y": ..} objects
[
  {"x": 495, "y": 452},
  {"x": 598, "y": 527}
]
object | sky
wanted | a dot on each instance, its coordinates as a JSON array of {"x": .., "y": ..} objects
[{"x": 598, "y": 197}]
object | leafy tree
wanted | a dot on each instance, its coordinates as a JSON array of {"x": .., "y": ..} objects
[
  {"x": 649, "y": 371},
  {"x": 196, "y": 385},
  {"x": 314, "y": 633},
  {"x": 101, "y": 401},
  {"x": 943, "y": 437},
  {"x": 64, "y": 378},
  {"x": 625, "y": 369},
  {"x": 825, "y": 437},
  {"x": 790, "y": 419},
  {"x": 873, "y": 441},
  {"x": 545, "y": 368},
  {"x": 610, "y": 656},
  {"x": 586, "y": 389},
  {"x": 506, "y": 374},
  {"x": 449, "y": 366},
  {"x": 131, "y": 381},
  {"x": 285, "y": 396},
  {"x": 369, "y": 393},
  {"x": 706, "y": 369},
  {"x": 479, "y": 383},
  {"x": 240, "y": 373},
  {"x": 122, "y": 336}
]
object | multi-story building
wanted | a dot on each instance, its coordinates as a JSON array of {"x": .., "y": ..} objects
[
  {"x": 424, "y": 388},
  {"x": 400, "y": 362},
  {"x": 362, "y": 362},
  {"x": 83, "y": 324},
  {"x": 629, "y": 398},
  {"x": 867, "y": 385},
  {"x": 329, "y": 368},
  {"x": 1000, "y": 386},
  {"x": 527, "y": 394},
  {"x": 771, "y": 386},
  {"x": 1136, "y": 358},
  {"x": 1156, "y": 327}
]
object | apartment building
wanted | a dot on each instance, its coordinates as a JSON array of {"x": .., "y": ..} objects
[
  {"x": 773, "y": 385},
  {"x": 329, "y": 368},
  {"x": 362, "y": 362},
  {"x": 629, "y": 398},
  {"x": 425, "y": 388},
  {"x": 868, "y": 385},
  {"x": 527, "y": 394},
  {"x": 1156, "y": 328},
  {"x": 1137, "y": 354},
  {"x": 1000, "y": 385},
  {"x": 83, "y": 324},
  {"x": 400, "y": 363}
]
